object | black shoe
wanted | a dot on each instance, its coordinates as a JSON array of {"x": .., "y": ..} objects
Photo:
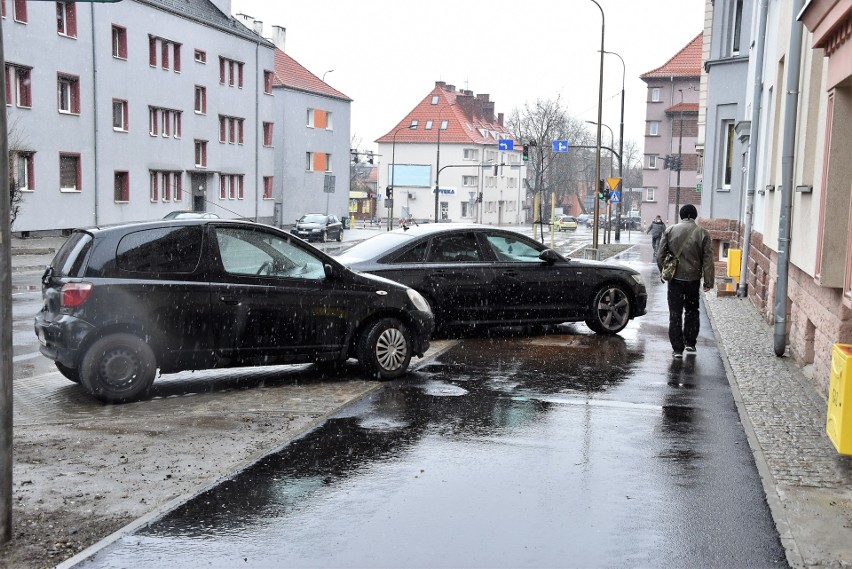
[
  {"x": 677, "y": 355},
  {"x": 690, "y": 350}
]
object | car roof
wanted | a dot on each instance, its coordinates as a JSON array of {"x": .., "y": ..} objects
[
  {"x": 139, "y": 225},
  {"x": 432, "y": 228}
]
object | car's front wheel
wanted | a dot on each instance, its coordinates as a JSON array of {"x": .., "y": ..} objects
[
  {"x": 118, "y": 368},
  {"x": 384, "y": 349},
  {"x": 340, "y": 235},
  {"x": 610, "y": 310}
]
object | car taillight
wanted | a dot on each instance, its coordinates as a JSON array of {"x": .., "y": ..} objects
[{"x": 75, "y": 294}]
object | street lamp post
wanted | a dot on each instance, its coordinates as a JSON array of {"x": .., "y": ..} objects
[
  {"x": 438, "y": 162},
  {"x": 326, "y": 73},
  {"x": 600, "y": 118},
  {"x": 393, "y": 167},
  {"x": 620, "y": 148}
]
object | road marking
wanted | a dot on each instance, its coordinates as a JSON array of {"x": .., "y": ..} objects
[{"x": 23, "y": 357}]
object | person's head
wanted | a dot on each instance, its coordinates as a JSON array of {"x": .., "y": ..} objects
[
  {"x": 688, "y": 212},
  {"x": 658, "y": 218}
]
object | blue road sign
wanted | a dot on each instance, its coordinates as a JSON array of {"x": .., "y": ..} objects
[
  {"x": 615, "y": 197},
  {"x": 560, "y": 146},
  {"x": 506, "y": 144}
]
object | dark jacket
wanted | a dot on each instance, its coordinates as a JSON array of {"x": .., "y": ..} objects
[
  {"x": 696, "y": 258},
  {"x": 656, "y": 228}
]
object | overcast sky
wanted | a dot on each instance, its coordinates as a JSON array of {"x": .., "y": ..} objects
[{"x": 387, "y": 54}]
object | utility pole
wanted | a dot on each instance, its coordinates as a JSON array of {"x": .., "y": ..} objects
[{"x": 5, "y": 321}]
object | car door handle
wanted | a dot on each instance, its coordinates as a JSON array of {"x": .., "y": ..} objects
[
  {"x": 510, "y": 273},
  {"x": 232, "y": 300}
]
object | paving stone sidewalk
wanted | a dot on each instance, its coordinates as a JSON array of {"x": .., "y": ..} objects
[{"x": 808, "y": 484}]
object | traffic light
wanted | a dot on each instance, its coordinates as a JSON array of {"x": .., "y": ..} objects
[
  {"x": 370, "y": 157},
  {"x": 526, "y": 152},
  {"x": 479, "y": 198},
  {"x": 603, "y": 192},
  {"x": 389, "y": 192}
]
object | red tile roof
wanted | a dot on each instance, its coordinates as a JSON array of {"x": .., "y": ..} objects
[
  {"x": 470, "y": 119},
  {"x": 686, "y": 63},
  {"x": 683, "y": 108},
  {"x": 289, "y": 73}
]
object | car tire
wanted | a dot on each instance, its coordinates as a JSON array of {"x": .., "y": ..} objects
[
  {"x": 340, "y": 236},
  {"x": 70, "y": 373},
  {"x": 384, "y": 349},
  {"x": 610, "y": 310},
  {"x": 323, "y": 237},
  {"x": 118, "y": 368}
]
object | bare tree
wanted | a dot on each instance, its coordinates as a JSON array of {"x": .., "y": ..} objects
[
  {"x": 17, "y": 170},
  {"x": 359, "y": 168}
]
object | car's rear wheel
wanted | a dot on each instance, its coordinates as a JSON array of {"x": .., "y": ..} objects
[
  {"x": 323, "y": 237},
  {"x": 384, "y": 349},
  {"x": 118, "y": 368},
  {"x": 70, "y": 373},
  {"x": 610, "y": 310}
]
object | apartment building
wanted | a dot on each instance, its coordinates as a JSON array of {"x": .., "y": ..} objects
[
  {"x": 450, "y": 141},
  {"x": 127, "y": 111}
]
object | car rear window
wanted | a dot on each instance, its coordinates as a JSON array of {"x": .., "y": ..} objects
[
  {"x": 160, "y": 250},
  {"x": 71, "y": 257}
]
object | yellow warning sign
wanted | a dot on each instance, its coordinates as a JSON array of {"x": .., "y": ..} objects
[{"x": 613, "y": 183}]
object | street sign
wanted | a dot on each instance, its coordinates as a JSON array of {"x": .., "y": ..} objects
[
  {"x": 328, "y": 184},
  {"x": 699, "y": 186},
  {"x": 506, "y": 144},
  {"x": 615, "y": 197},
  {"x": 613, "y": 183},
  {"x": 389, "y": 203},
  {"x": 560, "y": 146}
]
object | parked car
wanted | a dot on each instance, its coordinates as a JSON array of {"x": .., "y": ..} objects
[
  {"x": 476, "y": 275},
  {"x": 186, "y": 214},
  {"x": 564, "y": 223},
  {"x": 318, "y": 227},
  {"x": 122, "y": 302},
  {"x": 584, "y": 219}
]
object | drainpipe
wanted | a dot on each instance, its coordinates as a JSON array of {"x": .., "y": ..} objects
[
  {"x": 754, "y": 137},
  {"x": 791, "y": 94},
  {"x": 95, "y": 106}
]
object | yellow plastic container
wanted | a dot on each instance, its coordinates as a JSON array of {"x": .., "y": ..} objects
[
  {"x": 735, "y": 257},
  {"x": 838, "y": 426}
]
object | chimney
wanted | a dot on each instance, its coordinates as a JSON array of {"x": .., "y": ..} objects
[
  {"x": 244, "y": 19},
  {"x": 500, "y": 119},
  {"x": 258, "y": 27},
  {"x": 440, "y": 84},
  {"x": 279, "y": 34},
  {"x": 451, "y": 88}
]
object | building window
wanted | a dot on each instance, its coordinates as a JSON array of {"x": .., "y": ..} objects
[
  {"x": 201, "y": 153},
  {"x": 413, "y": 125},
  {"x": 724, "y": 248},
  {"x": 231, "y": 129},
  {"x": 164, "y": 185},
  {"x": 652, "y": 161},
  {"x": 66, "y": 19},
  {"x": 200, "y": 56},
  {"x": 428, "y": 125},
  {"x": 68, "y": 93},
  {"x": 470, "y": 181},
  {"x": 69, "y": 172},
  {"x": 169, "y": 53},
  {"x": 164, "y": 122},
  {"x": 267, "y": 187},
  {"x": 267, "y": 134},
  {"x": 435, "y": 99},
  {"x": 23, "y": 171},
  {"x": 317, "y": 162},
  {"x": 728, "y": 153},
  {"x": 121, "y": 187},
  {"x": 736, "y": 30},
  {"x": 200, "y": 99},
  {"x": 231, "y": 186},
  {"x": 471, "y": 154},
  {"x": 444, "y": 124},
  {"x": 18, "y": 85},
  {"x": 649, "y": 194},
  {"x": 119, "y": 42},
  {"x": 119, "y": 115},
  {"x": 267, "y": 82},
  {"x": 653, "y": 128},
  {"x": 230, "y": 72},
  {"x": 655, "y": 95},
  {"x": 20, "y": 9}
]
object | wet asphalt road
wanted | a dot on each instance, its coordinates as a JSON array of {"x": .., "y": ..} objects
[{"x": 559, "y": 450}]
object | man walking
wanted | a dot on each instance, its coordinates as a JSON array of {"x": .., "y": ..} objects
[
  {"x": 695, "y": 262},
  {"x": 656, "y": 230}
]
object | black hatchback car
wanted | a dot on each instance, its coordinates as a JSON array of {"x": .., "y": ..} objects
[
  {"x": 476, "y": 275},
  {"x": 122, "y": 302},
  {"x": 318, "y": 227}
]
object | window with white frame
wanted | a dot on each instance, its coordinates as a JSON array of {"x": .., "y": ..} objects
[
  {"x": 471, "y": 154},
  {"x": 490, "y": 182},
  {"x": 469, "y": 181},
  {"x": 231, "y": 186},
  {"x": 168, "y": 50},
  {"x": 230, "y": 72},
  {"x": 267, "y": 187},
  {"x": 652, "y": 161},
  {"x": 119, "y": 42},
  {"x": 201, "y": 154},
  {"x": 727, "y": 154},
  {"x": 164, "y": 122},
  {"x": 444, "y": 124},
  {"x": 119, "y": 115},
  {"x": 649, "y": 194},
  {"x": 121, "y": 187},
  {"x": 23, "y": 170},
  {"x": 267, "y": 133},
  {"x": 200, "y": 99},
  {"x": 655, "y": 94},
  {"x": 428, "y": 125},
  {"x": 165, "y": 186},
  {"x": 653, "y": 128},
  {"x": 267, "y": 81},
  {"x": 68, "y": 94},
  {"x": 491, "y": 156},
  {"x": 435, "y": 99},
  {"x": 19, "y": 85},
  {"x": 200, "y": 56},
  {"x": 69, "y": 172},
  {"x": 724, "y": 248},
  {"x": 736, "y": 27},
  {"x": 413, "y": 125},
  {"x": 231, "y": 129},
  {"x": 66, "y": 19},
  {"x": 466, "y": 209}
]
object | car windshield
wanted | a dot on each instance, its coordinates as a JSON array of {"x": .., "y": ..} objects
[
  {"x": 313, "y": 218},
  {"x": 375, "y": 246}
]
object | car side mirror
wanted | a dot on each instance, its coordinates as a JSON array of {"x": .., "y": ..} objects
[
  {"x": 330, "y": 273},
  {"x": 549, "y": 256}
]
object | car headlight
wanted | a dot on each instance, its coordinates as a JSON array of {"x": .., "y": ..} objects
[
  {"x": 418, "y": 301},
  {"x": 638, "y": 279}
]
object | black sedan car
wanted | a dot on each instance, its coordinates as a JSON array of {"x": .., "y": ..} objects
[
  {"x": 475, "y": 275},
  {"x": 318, "y": 227}
]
